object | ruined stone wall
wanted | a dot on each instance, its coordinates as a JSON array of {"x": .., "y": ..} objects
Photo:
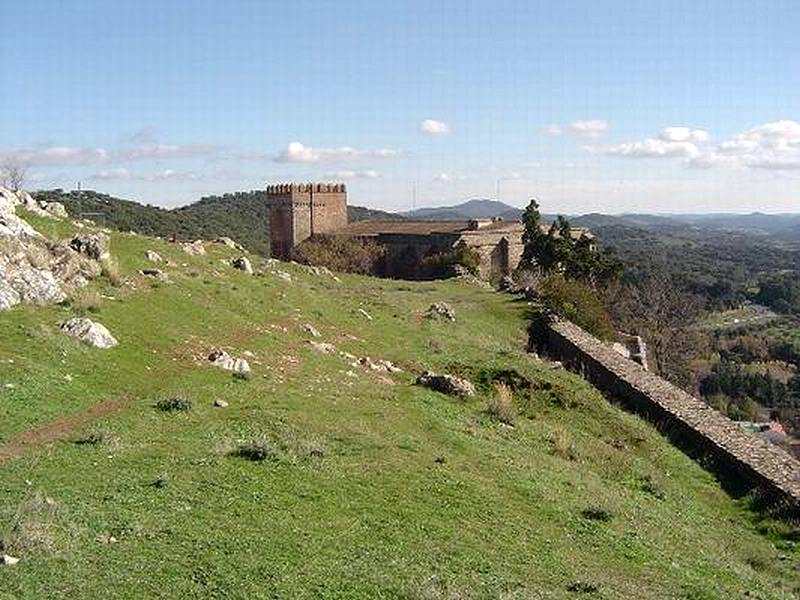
[
  {"x": 500, "y": 250},
  {"x": 767, "y": 466},
  {"x": 298, "y": 211}
]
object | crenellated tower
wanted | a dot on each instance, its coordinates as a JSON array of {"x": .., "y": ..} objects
[{"x": 299, "y": 210}]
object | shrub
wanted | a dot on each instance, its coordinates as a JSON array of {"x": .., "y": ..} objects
[
  {"x": 578, "y": 303},
  {"x": 109, "y": 269},
  {"x": 96, "y": 438},
  {"x": 85, "y": 301},
  {"x": 175, "y": 404},
  {"x": 501, "y": 406},
  {"x": 340, "y": 253},
  {"x": 561, "y": 444},
  {"x": 596, "y": 513},
  {"x": 443, "y": 264},
  {"x": 255, "y": 450}
]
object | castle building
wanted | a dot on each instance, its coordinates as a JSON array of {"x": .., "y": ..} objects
[{"x": 298, "y": 211}]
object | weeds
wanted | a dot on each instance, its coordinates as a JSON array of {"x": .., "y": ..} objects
[
  {"x": 561, "y": 444},
  {"x": 255, "y": 450},
  {"x": 501, "y": 406},
  {"x": 175, "y": 404},
  {"x": 596, "y": 513}
]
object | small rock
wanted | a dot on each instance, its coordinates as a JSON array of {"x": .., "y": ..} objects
[
  {"x": 310, "y": 329},
  {"x": 441, "y": 310},
  {"x": 284, "y": 276},
  {"x": 323, "y": 347},
  {"x": 9, "y": 386},
  {"x": 106, "y": 538},
  {"x": 94, "y": 245},
  {"x": 226, "y": 241},
  {"x": 196, "y": 248},
  {"x": 153, "y": 256},
  {"x": 446, "y": 384},
  {"x": 223, "y": 360},
  {"x": 220, "y": 403},
  {"x": 365, "y": 314},
  {"x": 155, "y": 273},
  {"x": 89, "y": 332},
  {"x": 242, "y": 263},
  {"x": 7, "y": 560}
]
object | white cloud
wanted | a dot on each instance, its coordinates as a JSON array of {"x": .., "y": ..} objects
[
  {"x": 297, "y": 152},
  {"x": 588, "y": 128},
  {"x": 433, "y": 127},
  {"x": 647, "y": 148},
  {"x": 683, "y": 134},
  {"x": 119, "y": 173},
  {"x": 447, "y": 178},
  {"x": 171, "y": 175},
  {"x": 73, "y": 155},
  {"x": 773, "y": 146},
  {"x": 366, "y": 174}
]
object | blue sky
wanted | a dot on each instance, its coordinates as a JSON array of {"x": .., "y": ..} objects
[{"x": 589, "y": 106}]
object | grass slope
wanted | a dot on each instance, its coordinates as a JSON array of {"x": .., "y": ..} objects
[{"x": 376, "y": 488}]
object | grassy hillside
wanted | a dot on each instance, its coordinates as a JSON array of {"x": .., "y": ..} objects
[
  {"x": 374, "y": 488},
  {"x": 243, "y": 216}
]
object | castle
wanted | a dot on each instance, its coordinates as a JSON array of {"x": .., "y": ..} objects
[{"x": 298, "y": 211}]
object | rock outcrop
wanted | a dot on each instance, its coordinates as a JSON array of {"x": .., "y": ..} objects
[
  {"x": 223, "y": 360},
  {"x": 441, "y": 310},
  {"x": 89, "y": 332},
  {"x": 446, "y": 384},
  {"x": 242, "y": 263},
  {"x": 35, "y": 270}
]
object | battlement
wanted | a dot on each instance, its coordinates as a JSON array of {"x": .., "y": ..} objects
[{"x": 303, "y": 188}]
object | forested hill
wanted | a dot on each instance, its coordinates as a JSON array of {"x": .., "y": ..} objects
[{"x": 242, "y": 216}]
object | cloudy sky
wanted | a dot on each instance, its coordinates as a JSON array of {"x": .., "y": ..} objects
[{"x": 663, "y": 106}]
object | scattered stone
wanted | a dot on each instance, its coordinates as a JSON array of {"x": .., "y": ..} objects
[
  {"x": 220, "y": 403},
  {"x": 507, "y": 284},
  {"x": 284, "y": 276},
  {"x": 243, "y": 264},
  {"x": 324, "y": 347},
  {"x": 94, "y": 245},
  {"x": 7, "y": 560},
  {"x": 153, "y": 256},
  {"x": 365, "y": 314},
  {"x": 441, "y": 310},
  {"x": 155, "y": 273},
  {"x": 226, "y": 241},
  {"x": 223, "y": 360},
  {"x": 196, "y": 248},
  {"x": 310, "y": 329},
  {"x": 446, "y": 384},
  {"x": 106, "y": 538},
  {"x": 57, "y": 210},
  {"x": 89, "y": 332},
  {"x": 383, "y": 366}
]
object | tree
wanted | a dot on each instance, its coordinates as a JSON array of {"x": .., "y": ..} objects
[{"x": 13, "y": 173}]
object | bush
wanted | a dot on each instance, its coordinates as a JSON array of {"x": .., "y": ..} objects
[
  {"x": 578, "y": 303},
  {"x": 255, "y": 450},
  {"x": 175, "y": 404},
  {"x": 340, "y": 253},
  {"x": 501, "y": 406},
  {"x": 443, "y": 264},
  {"x": 561, "y": 444},
  {"x": 85, "y": 301},
  {"x": 596, "y": 513},
  {"x": 109, "y": 269}
]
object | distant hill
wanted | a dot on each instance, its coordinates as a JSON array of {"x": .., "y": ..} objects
[
  {"x": 242, "y": 216},
  {"x": 472, "y": 209}
]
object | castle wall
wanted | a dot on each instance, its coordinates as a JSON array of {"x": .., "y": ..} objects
[
  {"x": 298, "y": 211},
  {"x": 765, "y": 467}
]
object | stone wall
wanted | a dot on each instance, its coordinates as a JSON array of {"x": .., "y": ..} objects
[
  {"x": 300, "y": 210},
  {"x": 766, "y": 467}
]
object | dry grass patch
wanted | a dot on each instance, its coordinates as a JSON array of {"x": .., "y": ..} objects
[
  {"x": 501, "y": 406},
  {"x": 561, "y": 444},
  {"x": 38, "y": 526}
]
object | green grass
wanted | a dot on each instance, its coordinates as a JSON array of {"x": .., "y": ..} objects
[{"x": 370, "y": 486}]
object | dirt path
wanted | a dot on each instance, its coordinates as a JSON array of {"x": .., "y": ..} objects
[{"x": 58, "y": 429}]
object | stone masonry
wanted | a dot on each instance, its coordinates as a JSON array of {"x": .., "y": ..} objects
[
  {"x": 299, "y": 210},
  {"x": 766, "y": 464}
]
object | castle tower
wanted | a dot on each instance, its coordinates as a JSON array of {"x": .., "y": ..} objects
[{"x": 299, "y": 210}]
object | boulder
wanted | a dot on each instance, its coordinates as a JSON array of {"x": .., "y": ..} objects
[
  {"x": 196, "y": 248},
  {"x": 28, "y": 203},
  {"x": 153, "y": 256},
  {"x": 446, "y": 384},
  {"x": 11, "y": 226},
  {"x": 223, "y": 360},
  {"x": 226, "y": 241},
  {"x": 323, "y": 347},
  {"x": 89, "y": 332},
  {"x": 57, "y": 210},
  {"x": 441, "y": 310},
  {"x": 242, "y": 263},
  {"x": 95, "y": 245},
  {"x": 21, "y": 281}
]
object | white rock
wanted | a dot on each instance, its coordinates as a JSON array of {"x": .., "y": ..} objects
[
  {"x": 242, "y": 263},
  {"x": 310, "y": 329},
  {"x": 220, "y": 403},
  {"x": 89, "y": 332},
  {"x": 365, "y": 314},
  {"x": 7, "y": 560},
  {"x": 153, "y": 256},
  {"x": 323, "y": 347},
  {"x": 196, "y": 248},
  {"x": 57, "y": 210}
]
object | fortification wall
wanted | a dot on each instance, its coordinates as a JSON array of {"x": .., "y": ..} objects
[{"x": 766, "y": 466}]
